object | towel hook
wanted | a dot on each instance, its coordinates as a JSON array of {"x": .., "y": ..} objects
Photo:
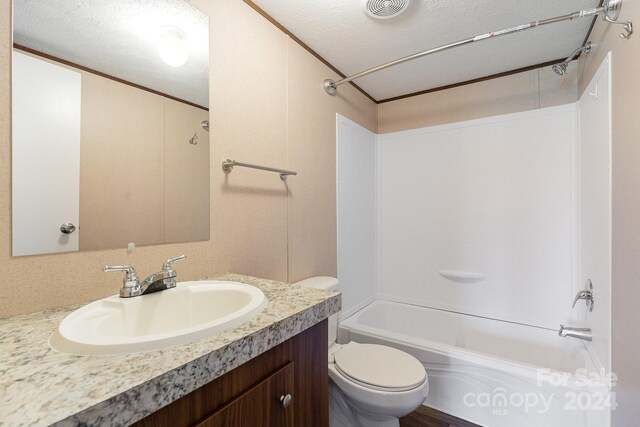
[{"x": 627, "y": 26}]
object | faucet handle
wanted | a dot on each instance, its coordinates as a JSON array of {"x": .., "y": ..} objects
[
  {"x": 130, "y": 271},
  {"x": 168, "y": 263},
  {"x": 581, "y": 295},
  {"x": 130, "y": 282},
  {"x": 586, "y": 294}
]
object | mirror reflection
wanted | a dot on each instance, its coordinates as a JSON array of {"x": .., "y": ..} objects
[{"x": 110, "y": 124}]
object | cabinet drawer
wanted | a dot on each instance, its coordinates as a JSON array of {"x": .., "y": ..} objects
[{"x": 261, "y": 405}]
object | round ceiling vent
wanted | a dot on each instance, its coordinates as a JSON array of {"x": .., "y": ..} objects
[{"x": 385, "y": 9}]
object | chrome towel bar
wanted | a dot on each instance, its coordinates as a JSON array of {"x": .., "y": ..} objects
[{"x": 228, "y": 165}]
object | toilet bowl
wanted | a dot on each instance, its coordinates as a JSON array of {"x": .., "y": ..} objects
[{"x": 371, "y": 385}]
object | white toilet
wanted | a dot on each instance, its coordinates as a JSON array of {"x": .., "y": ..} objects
[{"x": 371, "y": 385}]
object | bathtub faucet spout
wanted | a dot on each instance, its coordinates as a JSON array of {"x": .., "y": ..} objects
[{"x": 580, "y": 333}]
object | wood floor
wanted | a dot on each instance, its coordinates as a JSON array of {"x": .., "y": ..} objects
[{"x": 428, "y": 417}]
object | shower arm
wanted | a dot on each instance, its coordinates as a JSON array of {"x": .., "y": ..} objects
[
  {"x": 610, "y": 9},
  {"x": 586, "y": 48},
  {"x": 561, "y": 68}
]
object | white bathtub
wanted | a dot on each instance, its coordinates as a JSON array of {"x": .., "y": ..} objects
[{"x": 490, "y": 372}]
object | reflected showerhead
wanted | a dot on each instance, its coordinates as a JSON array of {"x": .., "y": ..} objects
[
  {"x": 560, "y": 69},
  {"x": 205, "y": 125}
]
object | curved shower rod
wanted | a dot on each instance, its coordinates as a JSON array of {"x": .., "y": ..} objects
[{"x": 610, "y": 10}]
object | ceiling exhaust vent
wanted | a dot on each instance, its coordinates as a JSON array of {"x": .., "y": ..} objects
[{"x": 385, "y": 9}]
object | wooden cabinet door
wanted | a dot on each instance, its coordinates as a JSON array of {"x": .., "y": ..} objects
[{"x": 260, "y": 406}]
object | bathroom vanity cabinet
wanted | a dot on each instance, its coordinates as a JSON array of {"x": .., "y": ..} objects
[
  {"x": 234, "y": 378},
  {"x": 255, "y": 393}
]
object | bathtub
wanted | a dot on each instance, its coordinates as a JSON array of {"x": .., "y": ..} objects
[{"x": 490, "y": 372}]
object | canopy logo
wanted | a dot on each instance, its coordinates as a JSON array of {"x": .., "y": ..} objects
[{"x": 581, "y": 391}]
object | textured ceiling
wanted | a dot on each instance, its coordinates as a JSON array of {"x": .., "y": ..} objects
[
  {"x": 340, "y": 32},
  {"x": 118, "y": 37}
]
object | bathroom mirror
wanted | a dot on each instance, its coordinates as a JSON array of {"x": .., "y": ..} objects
[{"x": 110, "y": 104}]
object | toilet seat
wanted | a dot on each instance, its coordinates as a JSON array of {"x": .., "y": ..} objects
[{"x": 379, "y": 367}]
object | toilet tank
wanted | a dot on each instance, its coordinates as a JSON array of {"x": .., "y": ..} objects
[{"x": 329, "y": 284}]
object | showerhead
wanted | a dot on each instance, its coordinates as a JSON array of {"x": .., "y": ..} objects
[
  {"x": 205, "y": 125},
  {"x": 560, "y": 69}
]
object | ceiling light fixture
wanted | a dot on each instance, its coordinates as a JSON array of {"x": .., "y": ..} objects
[{"x": 172, "y": 46}]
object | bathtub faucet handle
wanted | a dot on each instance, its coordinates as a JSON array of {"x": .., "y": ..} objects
[{"x": 586, "y": 294}]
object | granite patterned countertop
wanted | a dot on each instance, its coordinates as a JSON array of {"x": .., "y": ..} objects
[{"x": 40, "y": 386}]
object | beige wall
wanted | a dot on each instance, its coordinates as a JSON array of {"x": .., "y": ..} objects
[
  {"x": 312, "y": 151},
  {"x": 140, "y": 179},
  {"x": 518, "y": 92},
  {"x": 265, "y": 108},
  {"x": 121, "y": 165},
  {"x": 626, "y": 203},
  {"x": 283, "y": 119},
  {"x": 186, "y": 173}
]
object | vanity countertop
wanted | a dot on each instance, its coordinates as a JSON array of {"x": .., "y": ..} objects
[{"x": 43, "y": 387}]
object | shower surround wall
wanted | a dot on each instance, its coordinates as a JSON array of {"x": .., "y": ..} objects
[
  {"x": 595, "y": 210},
  {"x": 503, "y": 217},
  {"x": 478, "y": 216},
  {"x": 357, "y": 203}
]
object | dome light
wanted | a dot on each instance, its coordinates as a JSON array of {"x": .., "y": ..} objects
[{"x": 172, "y": 46}]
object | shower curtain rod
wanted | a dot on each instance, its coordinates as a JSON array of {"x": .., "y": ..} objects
[{"x": 610, "y": 9}]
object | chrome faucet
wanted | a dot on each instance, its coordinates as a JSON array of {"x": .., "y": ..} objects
[
  {"x": 164, "y": 279},
  {"x": 130, "y": 282},
  {"x": 131, "y": 286},
  {"x": 580, "y": 333}
]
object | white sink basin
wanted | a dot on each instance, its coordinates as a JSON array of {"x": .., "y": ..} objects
[{"x": 190, "y": 311}]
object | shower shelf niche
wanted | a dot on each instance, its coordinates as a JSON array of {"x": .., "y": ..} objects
[{"x": 461, "y": 276}]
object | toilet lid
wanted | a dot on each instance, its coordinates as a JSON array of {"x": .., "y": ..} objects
[{"x": 380, "y": 366}]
